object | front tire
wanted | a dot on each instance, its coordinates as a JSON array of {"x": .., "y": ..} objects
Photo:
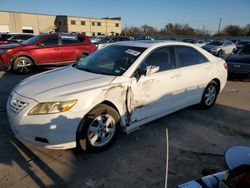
[
  {"x": 22, "y": 65},
  {"x": 209, "y": 95},
  {"x": 99, "y": 129}
]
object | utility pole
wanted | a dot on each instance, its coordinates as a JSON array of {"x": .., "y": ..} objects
[{"x": 219, "y": 26}]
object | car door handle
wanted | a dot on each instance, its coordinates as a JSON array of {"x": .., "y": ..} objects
[{"x": 175, "y": 76}]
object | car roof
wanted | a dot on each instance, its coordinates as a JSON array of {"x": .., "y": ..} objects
[{"x": 150, "y": 43}]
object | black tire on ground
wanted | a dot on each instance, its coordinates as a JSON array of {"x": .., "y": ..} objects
[
  {"x": 209, "y": 95},
  {"x": 98, "y": 129},
  {"x": 81, "y": 56},
  {"x": 22, "y": 65}
]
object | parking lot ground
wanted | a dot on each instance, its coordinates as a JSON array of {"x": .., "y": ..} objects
[{"x": 197, "y": 138}]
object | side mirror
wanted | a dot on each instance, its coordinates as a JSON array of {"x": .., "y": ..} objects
[
  {"x": 151, "y": 70},
  {"x": 38, "y": 45}
]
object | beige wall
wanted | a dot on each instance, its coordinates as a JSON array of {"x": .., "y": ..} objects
[
  {"x": 107, "y": 26},
  {"x": 45, "y": 23}
]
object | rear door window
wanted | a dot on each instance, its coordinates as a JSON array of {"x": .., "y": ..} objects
[
  {"x": 188, "y": 56},
  {"x": 69, "y": 39},
  {"x": 50, "y": 41}
]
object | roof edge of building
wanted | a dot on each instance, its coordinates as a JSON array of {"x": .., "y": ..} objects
[{"x": 106, "y": 18}]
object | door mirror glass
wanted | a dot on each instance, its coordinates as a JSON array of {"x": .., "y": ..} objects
[{"x": 151, "y": 70}]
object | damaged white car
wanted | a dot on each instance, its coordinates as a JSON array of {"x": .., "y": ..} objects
[{"x": 122, "y": 86}]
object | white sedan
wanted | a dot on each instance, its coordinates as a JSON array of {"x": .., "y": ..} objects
[{"x": 122, "y": 86}]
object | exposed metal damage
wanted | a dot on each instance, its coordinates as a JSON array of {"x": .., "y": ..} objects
[{"x": 124, "y": 99}]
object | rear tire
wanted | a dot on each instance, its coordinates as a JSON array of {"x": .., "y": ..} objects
[
  {"x": 209, "y": 95},
  {"x": 22, "y": 65},
  {"x": 99, "y": 129}
]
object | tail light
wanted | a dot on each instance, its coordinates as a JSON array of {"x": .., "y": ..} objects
[{"x": 225, "y": 65}]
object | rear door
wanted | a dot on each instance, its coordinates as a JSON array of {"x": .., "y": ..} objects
[
  {"x": 196, "y": 72},
  {"x": 69, "y": 48},
  {"x": 46, "y": 52}
]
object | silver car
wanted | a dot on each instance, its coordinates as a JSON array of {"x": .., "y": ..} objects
[{"x": 220, "y": 47}]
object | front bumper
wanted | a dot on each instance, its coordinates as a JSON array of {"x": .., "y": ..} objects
[{"x": 54, "y": 131}]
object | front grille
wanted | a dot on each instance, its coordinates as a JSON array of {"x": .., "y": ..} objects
[{"x": 17, "y": 105}]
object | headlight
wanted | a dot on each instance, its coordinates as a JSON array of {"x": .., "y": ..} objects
[{"x": 52, "y": 107}]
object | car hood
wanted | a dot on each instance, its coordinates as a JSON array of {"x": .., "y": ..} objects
[
  {"x": 61, "y": 82},
  {"x": 237, "y": 58},
  {"x": 9, "y": 46}
]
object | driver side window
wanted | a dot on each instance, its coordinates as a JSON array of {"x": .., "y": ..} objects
[{"x": 162, "y": 58}]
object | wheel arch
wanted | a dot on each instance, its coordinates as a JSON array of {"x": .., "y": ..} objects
[
  {"x": 24, "y": 55},
  {"x": 218, "y": 83},
  {"x": 79, "y": 128},
  {"x": 83, "y": 52}
]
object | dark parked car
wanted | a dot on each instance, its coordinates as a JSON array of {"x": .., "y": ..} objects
[
  {"x": 111, "y": 39},
  {"x": 45, "y": 49},
  {"x": 239, "y": 62},
  {"x": 241, "y": 44},
  {"x": 8, "y": 38}
]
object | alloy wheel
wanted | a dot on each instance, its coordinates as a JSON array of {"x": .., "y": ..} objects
[
  {"x": 210, "y": 95},
  {"x": 101, "y": 130},
  {"x": 23, "y": 66}
]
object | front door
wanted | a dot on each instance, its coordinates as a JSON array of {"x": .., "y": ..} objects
[
  {"x": 47, "y": 51},
  {"x": 156, "y": 93}
]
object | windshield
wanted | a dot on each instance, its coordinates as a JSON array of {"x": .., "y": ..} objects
[
  {"x": 216, "y": 43},
  {"x": 31, "y": 40},
  {"x": 245, "y": 51},
  {"x": 111, "y": 60}
]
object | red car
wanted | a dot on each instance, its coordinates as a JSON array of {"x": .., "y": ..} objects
[
  {"x": 45, "y": 49},
  {"x": 7, "y": 38}
]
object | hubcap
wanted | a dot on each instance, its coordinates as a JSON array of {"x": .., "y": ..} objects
[
  {"x": 101, "y": 130},
  {"x": 210, "y": 95},
  {"x": 23, "y": 66}
]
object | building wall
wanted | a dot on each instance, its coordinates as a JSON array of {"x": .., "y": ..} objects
[
  {"x": 107, "y": 27},
  {"x": 45, "y": 23},
  {"x": 24, "y": 22}
]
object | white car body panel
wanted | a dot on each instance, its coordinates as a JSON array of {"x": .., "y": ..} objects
[{"x": 137, "y": 102}]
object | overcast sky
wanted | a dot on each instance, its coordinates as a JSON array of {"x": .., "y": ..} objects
[{"x": 197, "y": 13}]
